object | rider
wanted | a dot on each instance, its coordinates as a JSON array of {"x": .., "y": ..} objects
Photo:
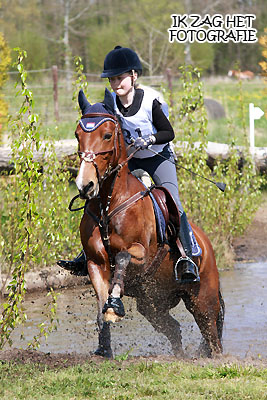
[{"x": 145, "y": 125}]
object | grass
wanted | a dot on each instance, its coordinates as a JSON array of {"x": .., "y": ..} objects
[
  {"x": 141, "y": 380},
  {"x": 226, "y": 92},
  {"x": 231, "y": 95}
]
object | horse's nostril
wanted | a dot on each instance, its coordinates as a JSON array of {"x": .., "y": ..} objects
[{"x": 86, "y": 188}]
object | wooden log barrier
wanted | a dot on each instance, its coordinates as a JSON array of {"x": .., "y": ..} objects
[
  {"x": 67, "y": 149},
  {"x": 220, "y": 152},
  {"x": 64, "y": 149}
]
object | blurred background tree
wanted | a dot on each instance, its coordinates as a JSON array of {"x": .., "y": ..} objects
[{"x": 53, "y": 32}]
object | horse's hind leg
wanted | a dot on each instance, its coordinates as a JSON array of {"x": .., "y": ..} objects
[
  {"x": 207, "y": 312},
  {"x": 163, "y": 323},
  {"x": 204, "y": 347}
]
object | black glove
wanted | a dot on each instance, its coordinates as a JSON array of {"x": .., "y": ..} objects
[{"x": 141, "y": 143}]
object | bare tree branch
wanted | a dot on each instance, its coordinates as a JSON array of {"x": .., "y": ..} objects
[
  {"x": 78, "y": 33},
  {"x": 59, "y": 41},
  {"x": 79, "y": 14}
]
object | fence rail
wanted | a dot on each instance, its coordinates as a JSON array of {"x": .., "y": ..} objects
[
  {"x": 215, "y": 152},
  {"x": 56, "y": 92}
]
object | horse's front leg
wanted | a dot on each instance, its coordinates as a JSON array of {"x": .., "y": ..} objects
[
  {"x": 100, "y": 282},
  {"x": 113, "y": 309}
]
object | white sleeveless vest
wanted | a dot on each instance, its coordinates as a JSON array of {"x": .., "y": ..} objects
[{"x": 141, "y": 124}]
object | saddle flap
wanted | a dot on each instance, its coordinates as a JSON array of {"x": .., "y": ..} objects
[
  {"x": 167, "y": 205},
  {"x": 160, "y": 198}
]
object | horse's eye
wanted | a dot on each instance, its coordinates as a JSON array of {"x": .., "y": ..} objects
[{"x": 107, "y": 136}]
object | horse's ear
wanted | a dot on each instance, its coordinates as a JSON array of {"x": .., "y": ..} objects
[
  {"x": 83, "y": 102},
  {"x": 109, "y": 102}
]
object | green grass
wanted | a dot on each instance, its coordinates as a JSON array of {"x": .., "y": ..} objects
[
  {"x": 229, "y": 95},
  {"x": 141, "y": 380},
  {"x": 44, "y": 106},
  {"x": 225, "y": 92}
]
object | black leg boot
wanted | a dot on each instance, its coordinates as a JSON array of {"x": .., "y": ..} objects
[
  {"x": 77, "y": 266},
  {"x": 189, "y": 270}
]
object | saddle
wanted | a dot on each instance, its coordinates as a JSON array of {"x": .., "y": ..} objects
[{"x": 170, "y": 213}]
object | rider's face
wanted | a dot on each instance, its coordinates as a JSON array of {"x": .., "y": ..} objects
[{"x": 122, "y": 84}]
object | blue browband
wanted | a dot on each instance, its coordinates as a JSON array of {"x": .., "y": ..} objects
[{"x": 92, "y": 123}]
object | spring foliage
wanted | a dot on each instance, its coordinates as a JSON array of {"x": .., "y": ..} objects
[
  {"x": 36, "y": 226},
  {"x": 221, "y": 215},
  {"x": 263, "y": 63},
  {"x": 5, "y": 60}
]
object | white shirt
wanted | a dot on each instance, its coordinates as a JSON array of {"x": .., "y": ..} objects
[{"x": 140, "y": 124}]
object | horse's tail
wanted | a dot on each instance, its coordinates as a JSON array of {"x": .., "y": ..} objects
[{"x": 220, "y": 318}]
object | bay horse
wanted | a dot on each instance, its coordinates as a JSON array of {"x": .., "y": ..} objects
[
  {"x": 244, "y": 75},
  {"x": 119, "y": 237}
]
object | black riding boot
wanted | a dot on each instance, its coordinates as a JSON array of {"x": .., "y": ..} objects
[
  {"x": 189, "y": 270},
  {"x": 77, "y": 266}
]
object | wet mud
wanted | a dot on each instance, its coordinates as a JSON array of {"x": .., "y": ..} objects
[{"x": 245, "y": 331}]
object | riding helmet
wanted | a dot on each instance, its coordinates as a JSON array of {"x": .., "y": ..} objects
[{"x": 121, "y": 60}]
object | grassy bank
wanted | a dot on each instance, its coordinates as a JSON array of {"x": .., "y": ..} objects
[{"x": 133, "y": 380}]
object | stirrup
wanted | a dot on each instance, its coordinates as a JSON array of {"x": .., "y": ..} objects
[{"x": 184, "y": 259}]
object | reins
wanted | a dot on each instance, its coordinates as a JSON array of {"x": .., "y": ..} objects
[
  {"x": 105, "y": 216},
  {"x": 117, "y": 168}
]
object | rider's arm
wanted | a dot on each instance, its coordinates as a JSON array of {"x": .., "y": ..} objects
[{"x": 165, "y": 131}]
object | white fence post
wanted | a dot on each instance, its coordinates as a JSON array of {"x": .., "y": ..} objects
[{"x": 254, "y": 113}]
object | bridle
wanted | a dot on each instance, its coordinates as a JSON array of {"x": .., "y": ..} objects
[{"x": 89, "y": 156}]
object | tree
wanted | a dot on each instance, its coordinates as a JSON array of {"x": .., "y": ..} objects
[
  {"x": 68, "y": 12},
  {"x": 22, "y": 26}
]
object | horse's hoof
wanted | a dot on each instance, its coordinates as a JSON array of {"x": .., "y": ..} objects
[
  {"x": 204, "y": 350},
  {"x": 111, "y": 316},
  {"x": 115, "y": 304},
  {"x": 107, "y": 353}
]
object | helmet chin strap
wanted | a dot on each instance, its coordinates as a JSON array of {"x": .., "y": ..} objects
[{"x": 132, "y": 76}]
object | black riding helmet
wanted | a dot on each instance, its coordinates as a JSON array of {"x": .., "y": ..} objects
[{"x": 121, "y": 60}]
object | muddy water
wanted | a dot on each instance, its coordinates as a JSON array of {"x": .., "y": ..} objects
[{"x": 245, "y": 332}]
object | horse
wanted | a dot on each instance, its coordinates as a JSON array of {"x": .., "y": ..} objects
[
  {"x": 119, "y": 236},
  {"x": 245, "y": 75}
]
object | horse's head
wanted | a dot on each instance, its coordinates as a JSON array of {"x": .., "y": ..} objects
[{"x": 100, "y": 144}]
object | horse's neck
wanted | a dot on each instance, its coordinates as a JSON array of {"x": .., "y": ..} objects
[
  {"x": 123, "y": 188},
  {"x": 113, "y": 184}
]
